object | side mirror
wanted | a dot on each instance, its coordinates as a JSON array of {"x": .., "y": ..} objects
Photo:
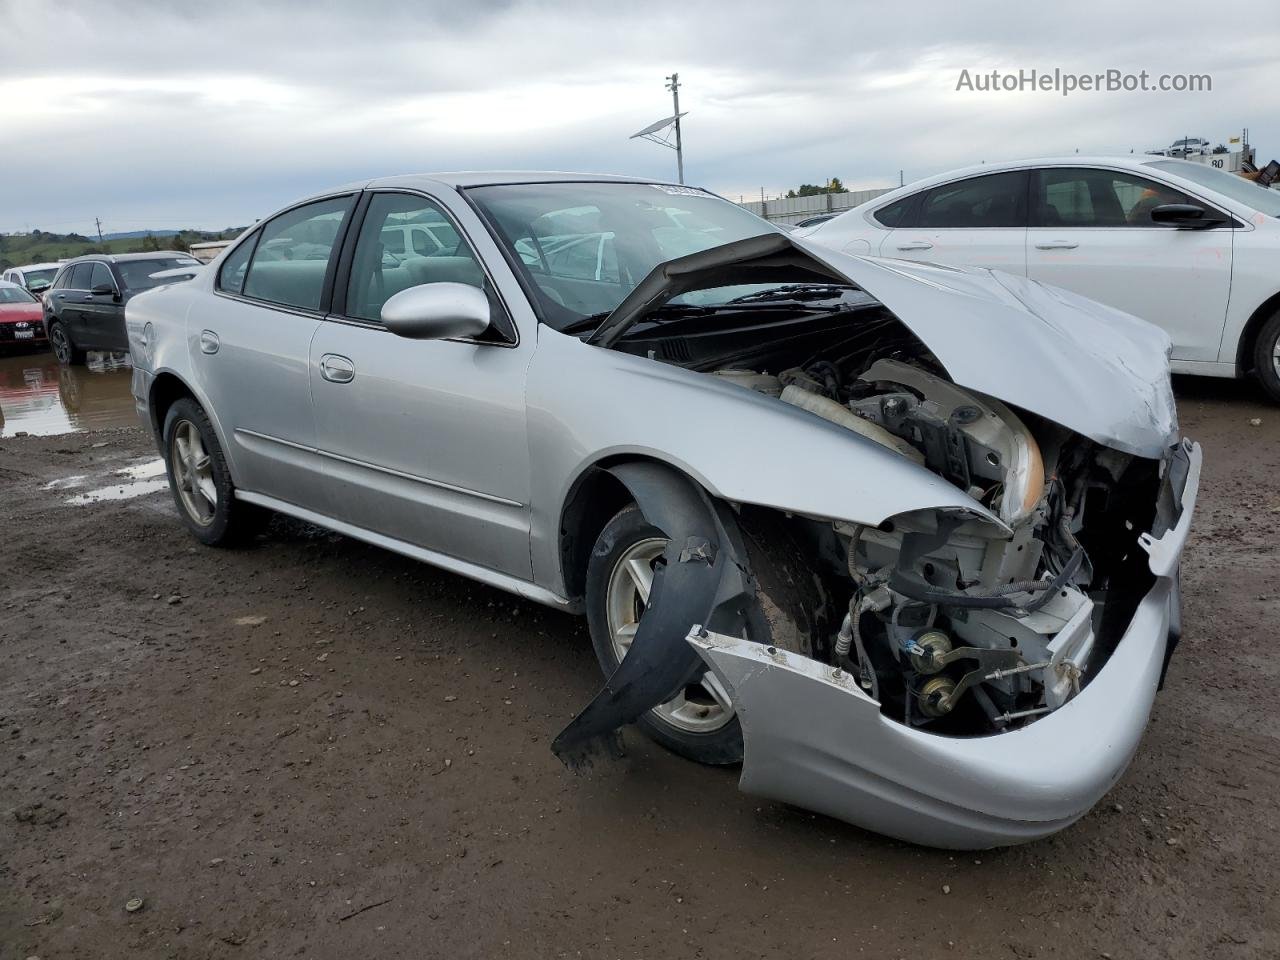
[
  {"x": 1186, "y": 216},
  {"x": 437, "y": 311},
  {"x": 39, "y": 286},
  {"x": 103, "y": 289}
]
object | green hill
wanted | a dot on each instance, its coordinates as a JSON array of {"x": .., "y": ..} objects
[{"x": 38, "y": 246}]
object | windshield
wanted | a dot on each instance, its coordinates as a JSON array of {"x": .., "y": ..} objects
[
  {"x": 1228, "y": 184},
  {"x": 584, "y": 246},
  {"x": 15, "y": 295},
  {"x": 137, "y": 274},
  {"x": 32, "y": 277}
]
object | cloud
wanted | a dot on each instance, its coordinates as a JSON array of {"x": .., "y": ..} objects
[{"x": 154, "y": 114}]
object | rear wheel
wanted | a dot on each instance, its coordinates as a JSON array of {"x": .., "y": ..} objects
[
  {"x": 699, "y": 722},
  {"x": 200, "y": 481},
  {"x": 1266, "y": 358},
  {"x": 64, "y": 347}
]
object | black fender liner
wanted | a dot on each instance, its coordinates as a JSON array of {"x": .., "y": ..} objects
[{"x": 703, "y": 579}]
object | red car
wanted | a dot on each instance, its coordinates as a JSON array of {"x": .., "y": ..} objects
[{"x": 21, "y": 318}]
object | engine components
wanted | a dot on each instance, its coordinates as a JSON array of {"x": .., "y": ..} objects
[
  {"x": 972, "y": 441},
  {"x": 936, "y": 696}
]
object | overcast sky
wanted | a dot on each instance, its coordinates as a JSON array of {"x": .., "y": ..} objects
[{"x": 213, "y": 114}]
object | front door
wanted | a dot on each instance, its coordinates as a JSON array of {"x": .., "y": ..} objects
[
  {"x": 251, "y": 347},
  {"x": 1092, "y": 233},
  {"x": 424, "y": 440},
  {"x": 976, "y": 222},
  {"x": 102, "y": 313}
]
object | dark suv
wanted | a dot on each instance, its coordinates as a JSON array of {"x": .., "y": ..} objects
[{"x": 84, "y": 308}]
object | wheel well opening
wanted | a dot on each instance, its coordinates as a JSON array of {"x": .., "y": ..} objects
[
  {"x": 595, "y": 498},
  {"x": 166, "y": 391},
  {"x": 1249, "y": 339}
]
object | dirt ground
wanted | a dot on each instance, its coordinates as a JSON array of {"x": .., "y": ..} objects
[{"x": 315, "y": 748}]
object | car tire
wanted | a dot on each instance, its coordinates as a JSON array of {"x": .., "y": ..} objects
[
  {"x": 201, "y": 482},
  {"x": 787, "y": 602},
  {"x": 64, "y": 348},
  {"x": 1266, "y": 358}
]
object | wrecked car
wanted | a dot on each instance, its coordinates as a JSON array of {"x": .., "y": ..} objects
[{"x": 900, "y": 539}]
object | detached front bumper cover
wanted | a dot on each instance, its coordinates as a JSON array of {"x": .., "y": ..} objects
[{"x": 814, "y": 739}]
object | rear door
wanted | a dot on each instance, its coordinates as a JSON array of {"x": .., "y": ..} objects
[
  {"x": 976, "y": 222},
  {"x": 71, "y": 301},
  {"x": 424, "y": 441},
  {"x": 1092, "y": 233},
  {"x": 251, "y": 343},
  {"x": 979, "y": 221}
]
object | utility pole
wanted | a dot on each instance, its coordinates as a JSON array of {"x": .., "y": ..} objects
[
  {"x": 673, "y": 84},
  {"x": 99, "y": 225}
]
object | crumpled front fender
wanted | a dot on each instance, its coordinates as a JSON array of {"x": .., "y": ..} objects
[{"x": 701, "y": 579}]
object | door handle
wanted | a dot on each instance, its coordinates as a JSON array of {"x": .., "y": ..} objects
[
  {"x": 916, "y": 245},
  {"x": 1057, "y": 245},
  {"x": 209, "y": 342},
  {"x": 337, "y": 369}
]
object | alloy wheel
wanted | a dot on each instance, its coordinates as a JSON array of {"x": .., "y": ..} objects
[
  {"x": 61, "y": 346},
  {"x": 193, "y": 473}
]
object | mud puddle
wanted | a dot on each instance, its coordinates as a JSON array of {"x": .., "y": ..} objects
[
  {"x": 136, "y": 480},
  {"x": 39, "y": 396}
]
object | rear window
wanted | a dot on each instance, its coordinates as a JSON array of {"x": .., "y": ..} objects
[
  {"x": 898, "y": 213},
  {"x": 137, "y": 274}
]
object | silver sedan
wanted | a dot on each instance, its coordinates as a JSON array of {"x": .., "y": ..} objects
[{"x": 902, "y": 540}]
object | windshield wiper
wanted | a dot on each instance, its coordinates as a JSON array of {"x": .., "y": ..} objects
[
  {"x": 781, "y": 298},
  {"x": 672, "y": 310},
  {"x": 796, "y": 293}
]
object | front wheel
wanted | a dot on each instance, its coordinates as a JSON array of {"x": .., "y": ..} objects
[
  {"x": 699, "y": 722},
  {"x": 1266, "y": 358},
  {"x": 200, "y": 481},
  {"x": 63, "y": 347}
]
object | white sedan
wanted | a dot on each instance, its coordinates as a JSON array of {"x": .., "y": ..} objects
[{"x": 1183, "y": 245}]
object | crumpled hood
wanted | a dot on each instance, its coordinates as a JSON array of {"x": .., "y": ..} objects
[{"x": 1095, "y": 370}]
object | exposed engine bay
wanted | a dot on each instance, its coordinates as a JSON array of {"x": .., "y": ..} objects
[{"x": 955, "y": 624}]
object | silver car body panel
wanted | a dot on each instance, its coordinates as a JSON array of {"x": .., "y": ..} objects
[
  {"x": 798, "y": 715},
  {"x": 739, "y": 445}
]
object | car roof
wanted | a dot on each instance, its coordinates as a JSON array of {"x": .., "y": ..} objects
[
  {"x": 37, "y": 266},
  {"x": 10, "y": 283},
  {"x": 127, "y": 257},
  {"x": 490, "y": 177},
  {"x": 1127, "y": 161},
  {"x": 461, "y": 179}
]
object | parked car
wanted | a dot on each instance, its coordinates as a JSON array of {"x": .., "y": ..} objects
[
  {"x": 36, "y": 277},
  {"x": 20, "y": 317},
  {"x": 901, "y": 539},
  {"x": 1183, "y": 245},
  {"x": 84, "y": 308}
]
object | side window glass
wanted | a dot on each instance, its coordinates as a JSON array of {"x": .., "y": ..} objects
[
  {"x": 991, "y": 201},
  {"x": 897, "y": 213},
  {"x": 1099, "y": 198},
  {"x": 231, "y": 274},
  {"x": 383, "y": 263},
  {"x": 100, "y": 274},
  {"x": 79, "y": 279},
  {"x": 293, "y": 254}
]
